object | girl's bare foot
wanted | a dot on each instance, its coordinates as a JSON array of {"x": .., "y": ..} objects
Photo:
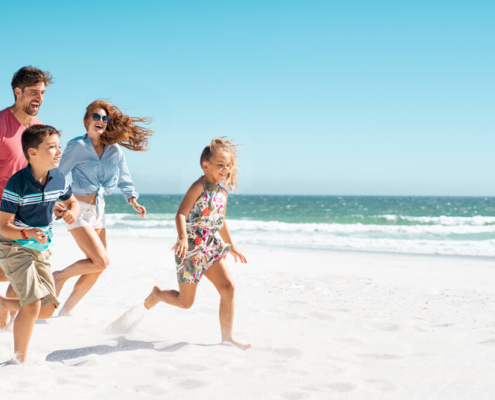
[
  {"x": 236, "y": 343},
  {"x": 152, "y": 299},
  {"x": 59, "y": 283},
  {"x": 4, "y": 314}
]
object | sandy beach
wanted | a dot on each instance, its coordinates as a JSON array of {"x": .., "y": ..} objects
[{"x": 323, "y": 325}]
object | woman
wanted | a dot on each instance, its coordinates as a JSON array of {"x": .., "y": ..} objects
[{"x": 98, "y": 166}]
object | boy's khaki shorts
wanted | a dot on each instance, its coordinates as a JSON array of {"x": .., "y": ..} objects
[{"x": 29, "y": 273}]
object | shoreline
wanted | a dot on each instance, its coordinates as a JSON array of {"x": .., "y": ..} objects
[{"x": 121, "y": 235}]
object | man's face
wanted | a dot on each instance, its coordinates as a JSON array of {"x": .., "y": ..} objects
[
  {"x": 48, "y": 153},
  {"x": 31, "y": 97}
]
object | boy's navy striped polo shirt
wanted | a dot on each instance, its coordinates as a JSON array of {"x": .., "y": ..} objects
[{"x": 32, "y": 203}]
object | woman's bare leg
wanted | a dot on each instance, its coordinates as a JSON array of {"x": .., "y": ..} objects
[
  {"x": 93, "y": 244},
  {"x": 47, "y": 311},
  {"x": 219, "y": 275},
  {"x": 184, "y": 298}
]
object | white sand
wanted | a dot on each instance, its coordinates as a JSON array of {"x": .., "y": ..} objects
[{"x": 324, "y": 325}]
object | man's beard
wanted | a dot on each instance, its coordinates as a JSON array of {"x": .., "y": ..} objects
[{"x": 28, "y": 111}]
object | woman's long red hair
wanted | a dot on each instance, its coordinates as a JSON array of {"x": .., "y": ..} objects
[{"x": 121, "y": 129}]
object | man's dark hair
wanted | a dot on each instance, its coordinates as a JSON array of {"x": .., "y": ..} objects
[
  {"x": 30, "y": 76},
  {"x": 33, "y": 136}
]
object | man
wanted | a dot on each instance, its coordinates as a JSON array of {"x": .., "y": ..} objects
[{"x": 29, "y": 85}]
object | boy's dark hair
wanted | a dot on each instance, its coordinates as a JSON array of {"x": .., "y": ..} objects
[
  {"x": 33, "y": 136},
  {"x": 30, "y": 76}
]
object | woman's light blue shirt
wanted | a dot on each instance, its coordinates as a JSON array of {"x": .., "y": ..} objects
[{"x": 91, "y": 174}]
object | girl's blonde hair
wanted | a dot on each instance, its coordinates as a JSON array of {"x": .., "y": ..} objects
[
  {"x": 219, "y": 145},
  {"x": 121, "y": 129}
]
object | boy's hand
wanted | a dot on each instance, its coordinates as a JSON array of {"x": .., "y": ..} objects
[
  {"x": 237, "y": 254},
  {"x": 37, "y": 234},
  {"x": 59, "y": 209},
  {"x": 181, "y": 247},
  {"x": 69, "y": 217}
]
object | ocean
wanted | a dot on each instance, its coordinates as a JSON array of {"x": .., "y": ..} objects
[{"x": 463, "y": 226}]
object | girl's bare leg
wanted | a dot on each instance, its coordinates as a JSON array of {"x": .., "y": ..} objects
[
  {"x": 184, "y": 298},
  {"x": 219, "y": 275},
  {"x": 93, "y": 244}
]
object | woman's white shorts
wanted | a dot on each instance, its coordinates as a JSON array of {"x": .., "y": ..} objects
[{"x": 88, "y": 216}]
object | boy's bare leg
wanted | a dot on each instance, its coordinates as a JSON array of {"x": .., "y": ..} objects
[
  {"x": 23, "y": 328},
  {"x": 220, "y": 276},
  {"x": 184, "y": 298},
  {"x": 93, "y": 244},
  {"x": 7, "y": 304}
]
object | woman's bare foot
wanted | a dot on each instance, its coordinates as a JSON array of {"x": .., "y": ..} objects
[
  {"x": 152, "y": 299},
  {"x": 236, "y": 343},
  {"x": 4, "y": 314},
  {"x": 59, "y": 282},
  {"x": 64, "y": 312}
]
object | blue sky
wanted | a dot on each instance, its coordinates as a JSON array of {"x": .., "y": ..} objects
[{"x": 327, "y": 97}]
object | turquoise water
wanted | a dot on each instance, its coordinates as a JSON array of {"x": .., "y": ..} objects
[
  {"x": 422, "y": 225},
  {"x": 326, "y": 209}
]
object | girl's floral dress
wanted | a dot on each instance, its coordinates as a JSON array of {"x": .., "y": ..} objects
[{"x": 202, "y": 225}]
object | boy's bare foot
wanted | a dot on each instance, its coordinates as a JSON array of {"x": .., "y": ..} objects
[
  {"x": 236, "y": 343},
  {"x": 152, "y": 299},
  {"x": 59, "y": 283},
  {"x": 4, "y": 314}
]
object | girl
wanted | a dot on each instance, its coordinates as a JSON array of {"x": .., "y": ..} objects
[
  {"x": 204, "y": 237},
  {"x": 98, "y": 166}
]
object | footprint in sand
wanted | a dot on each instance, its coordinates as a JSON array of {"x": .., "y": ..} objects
[
  {"x": 349, "y": 340},
  {"x": 193, "y": 367},
  {"x": 489, "y": 341},
  {"x": 323, "y": 317},
  {"x": 24, "y": 384},
  {"x": 386, "y": 327},
  {"x": 381, "y": 356},
  {"x": 294, "y": 316},
  {"x": 62, "y": 381},
  {"x": 382, "y": 385},
  {"x": 152, "y": 390},
  {"x": 171, "y": 372},
  {"x": 193, "y": 384},
  {"x": 287, "y": 352},
  {"x": 342, "y": 387},
  {"x": 294, "y": 395},
  {"x": 83, "y": 377},
  {"x": 442, "y": 325}
]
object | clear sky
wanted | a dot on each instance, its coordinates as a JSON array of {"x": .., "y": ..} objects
[{"x": 327, "y": 97}]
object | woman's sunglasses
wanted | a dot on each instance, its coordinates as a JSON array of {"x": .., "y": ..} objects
[{"x": 104, "y": 118}]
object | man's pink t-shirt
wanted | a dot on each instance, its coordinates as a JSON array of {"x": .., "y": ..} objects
[{"x": 11, "y": 156}]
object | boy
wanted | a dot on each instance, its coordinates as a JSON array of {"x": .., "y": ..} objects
[{"x": 26, "y": 214}]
